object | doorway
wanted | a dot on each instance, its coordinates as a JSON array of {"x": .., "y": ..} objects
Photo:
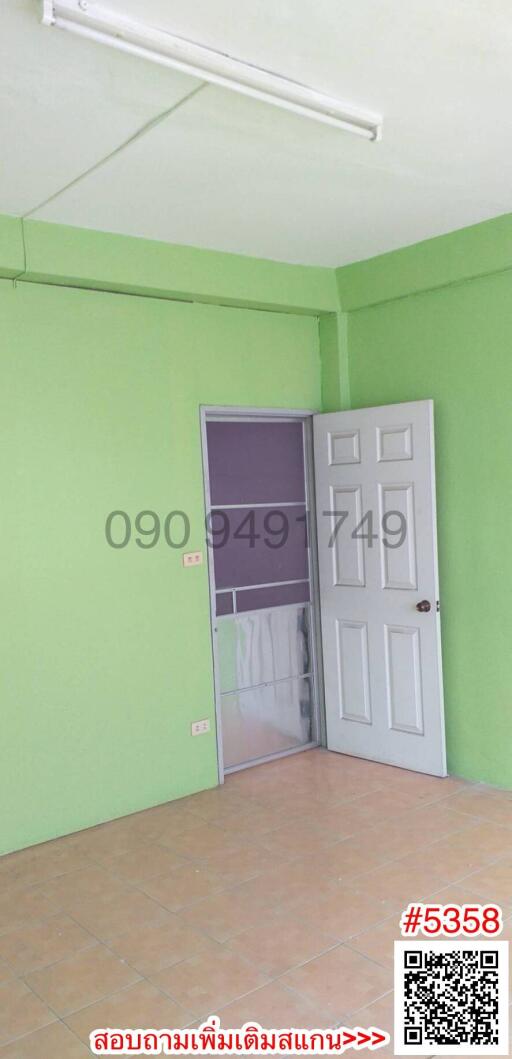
[
  {"x": 263, "y": 583},
  {"x": 372, "y": 536}
]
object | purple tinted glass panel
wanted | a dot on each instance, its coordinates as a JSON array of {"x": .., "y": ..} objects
[
  {"x": 223, "y": 603},
  {"x": 238, "y": 565},
  {"x": 277, "y": 596},
  {"x": 255, "y": 463}
]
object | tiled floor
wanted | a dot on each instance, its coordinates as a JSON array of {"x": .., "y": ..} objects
[{"x": 274, "y": 898}]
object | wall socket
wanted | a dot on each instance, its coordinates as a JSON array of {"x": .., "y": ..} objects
[
  {"x": 192, "y": 558},
  {"x": 200, "y": 727}
]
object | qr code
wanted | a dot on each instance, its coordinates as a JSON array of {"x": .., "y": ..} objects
[{"x": 451, "y": 998}]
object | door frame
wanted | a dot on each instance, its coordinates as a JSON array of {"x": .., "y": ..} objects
[{"x": 241, "y": 413}]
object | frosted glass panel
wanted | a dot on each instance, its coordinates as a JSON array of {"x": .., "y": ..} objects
[
  {"x": 264, "y": 646},
  {"x": 266, "y": 720}
]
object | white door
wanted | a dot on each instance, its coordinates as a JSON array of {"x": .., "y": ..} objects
[{"x": 376, "y": 518}]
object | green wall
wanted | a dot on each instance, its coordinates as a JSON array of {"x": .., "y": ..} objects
[
  {"x": 106, "y": 653},
  {"x": 454, "y": 343}
]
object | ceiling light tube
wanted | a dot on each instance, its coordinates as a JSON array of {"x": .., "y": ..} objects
[{"x": 93, "y": 20}]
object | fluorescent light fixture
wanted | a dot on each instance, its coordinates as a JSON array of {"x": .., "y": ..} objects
[{"x": 99, "y": 23}]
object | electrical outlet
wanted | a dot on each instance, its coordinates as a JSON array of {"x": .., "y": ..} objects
[
  {"x": 192, "y": 558},
  {"x": 200, "y": 727}
]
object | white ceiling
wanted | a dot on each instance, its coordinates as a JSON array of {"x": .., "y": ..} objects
[{"x": 231, "y": 173}]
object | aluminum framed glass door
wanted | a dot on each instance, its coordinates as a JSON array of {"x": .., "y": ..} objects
[{"x": 262, "y": 579}]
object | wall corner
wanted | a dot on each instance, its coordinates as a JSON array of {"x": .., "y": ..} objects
[{"x": 333, "y": 342}]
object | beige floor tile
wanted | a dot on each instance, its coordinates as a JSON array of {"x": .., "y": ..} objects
[
  {"x": 169, "y": 826},
  {"x": 333, "y": 787},
  {"x": 219, "y": 802},
  {"x": 398, "y": 882},
  {"x": 298, "y": 869},
  {"x": 145, "y": 863},
  {"x": 69, "y": 890},
  {"x": 345, "y": 913},
  {"x": 281, "y": 945},
  {"x": 385, "y": 804},
  {"x": 495, "y": 806},
  {"x": 206, "y": 841},
  {"x": 385, "y": 843},
  {"x": 183, "y": 887},
  {"x": 53, "y": 1042},
  {"x": 432, "y": 822},
  {"x": 152, "y": 948},
  {"x": 258, "y": 822},
  {"x": 223, "y": 916},
  {"x": 381, "y": 1015},
  {"x": 351, "y": 857},
  {"x": 491, "y": 840},
  {"x": 395, "y": 839},
  {"x": 340, "y": 822},
  {"x": 493, "y": 883},
  {"x": 21, "y": 1011},
  {"x": 377, "y": 943},
  {"x": 340, "y": 981},
  {"x": 142, "y": 1006},
  {"x": 7, "y": 883},
  {"x": 105, "y": 917},
  {"x": 295, "y": 803},
  {"x": 113, "y": 837},
  {"x": 425, "y": 789},
  {"x": 209, "y": 980},
  {"x": 171, "y": 819},
  {"x": 463, "y": 852},
  {"x": 287, "y": 884},
  {"x": 20, "y": 858},
  {"x": 118, "y": 836},
  {"x": 34, "y": 866},
  {"x": 71, "y": 984},
  {"x": 274, "y": 1007},
  {"x": 5, "y": 972},
  {"x": 456, "y": 893},
  {"x": 20, "y": 907},
  {"x": 243, "y": 864},
  {"x": 33, "y": 947},
  {"x": 303, "y": 839}
]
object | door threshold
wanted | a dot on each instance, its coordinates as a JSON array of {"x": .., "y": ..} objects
[{"x": 270, "y": 757}]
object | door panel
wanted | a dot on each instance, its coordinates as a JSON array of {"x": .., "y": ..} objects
[
  {"x": 348, "y": 552},
  {"x": 376, "y": 519},
  {"x": 396, "y": 502},
  {"x": 404, "y": 679},
  {"x": 353, "y": 670}
]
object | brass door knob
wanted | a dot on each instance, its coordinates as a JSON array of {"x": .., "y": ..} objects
[{"x": 424, "y": 606}]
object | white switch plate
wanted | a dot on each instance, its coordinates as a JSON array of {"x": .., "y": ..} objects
[
  {"x": 192, "y": 558},
  {"x": 200, "y": 727}
]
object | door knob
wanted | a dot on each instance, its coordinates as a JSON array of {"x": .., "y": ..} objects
[{"x": 423, "y": 606}]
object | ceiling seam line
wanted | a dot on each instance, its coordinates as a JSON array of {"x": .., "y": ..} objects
[{"x": 137, "y": 135}]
